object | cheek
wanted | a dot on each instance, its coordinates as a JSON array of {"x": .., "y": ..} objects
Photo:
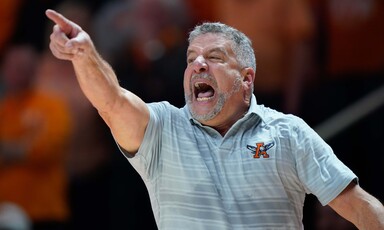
[
  {"x": 228, "y": 82},
  {"x": 186, "y": 82}
]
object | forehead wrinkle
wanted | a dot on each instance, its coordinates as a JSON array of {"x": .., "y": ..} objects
[
  {"x": 211, "y": 50},
  {"x": 216, "y": 42}
]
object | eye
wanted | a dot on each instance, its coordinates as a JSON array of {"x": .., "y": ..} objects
[
  {"x": 215, "y": 57},
  {"x": 190, "y": 60}
]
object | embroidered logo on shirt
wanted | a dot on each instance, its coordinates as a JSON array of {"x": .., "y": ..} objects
[{"x": 260, "y": 149}]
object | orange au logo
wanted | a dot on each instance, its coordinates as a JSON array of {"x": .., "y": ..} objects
[{"x": 260, "y": 149}]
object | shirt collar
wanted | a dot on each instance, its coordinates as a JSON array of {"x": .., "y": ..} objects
[{"x": 254, "y": 108}]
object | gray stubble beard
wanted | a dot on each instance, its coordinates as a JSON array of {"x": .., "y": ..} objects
[{"x": 223, "y": 97}]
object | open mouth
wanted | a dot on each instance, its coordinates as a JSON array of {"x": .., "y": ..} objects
[{"x": 203, "y": 91}]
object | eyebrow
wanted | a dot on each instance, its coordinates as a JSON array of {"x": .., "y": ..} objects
[
  {"x": 189, "y": 52},
  {"x": 215, "y": 49}
]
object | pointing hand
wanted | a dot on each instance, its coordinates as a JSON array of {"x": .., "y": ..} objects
[{"x": 68, "y": 40}]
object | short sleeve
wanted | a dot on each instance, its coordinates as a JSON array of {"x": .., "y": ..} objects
[
  {"x": 145, "y": 161},
  {"x": 318, "y": 168}
]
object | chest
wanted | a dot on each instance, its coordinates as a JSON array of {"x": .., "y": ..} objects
[{"x": 249, "y": 165}]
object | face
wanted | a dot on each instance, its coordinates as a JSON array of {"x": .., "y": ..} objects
[
  {"x": 217, "y": 89},
  {"x": 18, "y": 67}
]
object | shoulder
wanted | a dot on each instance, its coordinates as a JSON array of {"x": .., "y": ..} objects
[
  {"x": 164, "y": 111},
  {"x": 162, "y": 108},
  {"x": 282, "y": 121},
  {"x": 291, "y": 128}
]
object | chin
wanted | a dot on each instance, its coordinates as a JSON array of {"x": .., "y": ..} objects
[
  {"x": 205, "y": 110},
  {"x": 204, "y": 115}
]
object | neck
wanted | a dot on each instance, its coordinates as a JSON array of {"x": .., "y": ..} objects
[{"x": 223, "y": 126}]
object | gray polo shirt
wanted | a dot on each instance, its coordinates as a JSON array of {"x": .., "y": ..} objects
[{"x": 255, "y": 177}]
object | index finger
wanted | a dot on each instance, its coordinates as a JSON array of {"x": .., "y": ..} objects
[{"x": 60, "y": 20}]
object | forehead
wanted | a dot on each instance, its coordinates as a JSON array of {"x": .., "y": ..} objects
[{"x": 210, "y": 41}]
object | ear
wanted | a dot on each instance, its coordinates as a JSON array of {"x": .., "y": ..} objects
[
  {"x": 248, "y": 80},
  {"x": 248, "y": 76}
]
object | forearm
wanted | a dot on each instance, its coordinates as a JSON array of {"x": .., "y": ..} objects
[
  {"x": 360, "y": 208},
  {"x": 97, "y": 80},
  {"x": 125, "y": 113},
  {"x": 370, "y": 214}
]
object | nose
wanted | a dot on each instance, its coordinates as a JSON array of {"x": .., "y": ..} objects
[{"x": 200, "y": 65}]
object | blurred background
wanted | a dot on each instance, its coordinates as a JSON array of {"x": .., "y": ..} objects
[{"x": 322, "y": 60}]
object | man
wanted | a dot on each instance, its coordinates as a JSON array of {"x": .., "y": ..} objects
[
  {"x": 222, "y": 161},
  {"x": 35, "y": 129}
]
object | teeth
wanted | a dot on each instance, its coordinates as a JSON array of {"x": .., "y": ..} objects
[
  {"x": 203, "y": 98},
  {"x": 197, "y": 85},
  {"x": 203, "y": 92}
]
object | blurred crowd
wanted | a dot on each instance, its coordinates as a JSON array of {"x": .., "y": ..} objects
[{"x": 60, "y": 167}]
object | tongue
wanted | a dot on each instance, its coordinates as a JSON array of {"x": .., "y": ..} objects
[{"x": 208, "y": 93}]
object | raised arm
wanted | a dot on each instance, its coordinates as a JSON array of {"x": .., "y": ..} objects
[
  {"x": 126, "y": 114},
  {"x": 359, "y": 207}
]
